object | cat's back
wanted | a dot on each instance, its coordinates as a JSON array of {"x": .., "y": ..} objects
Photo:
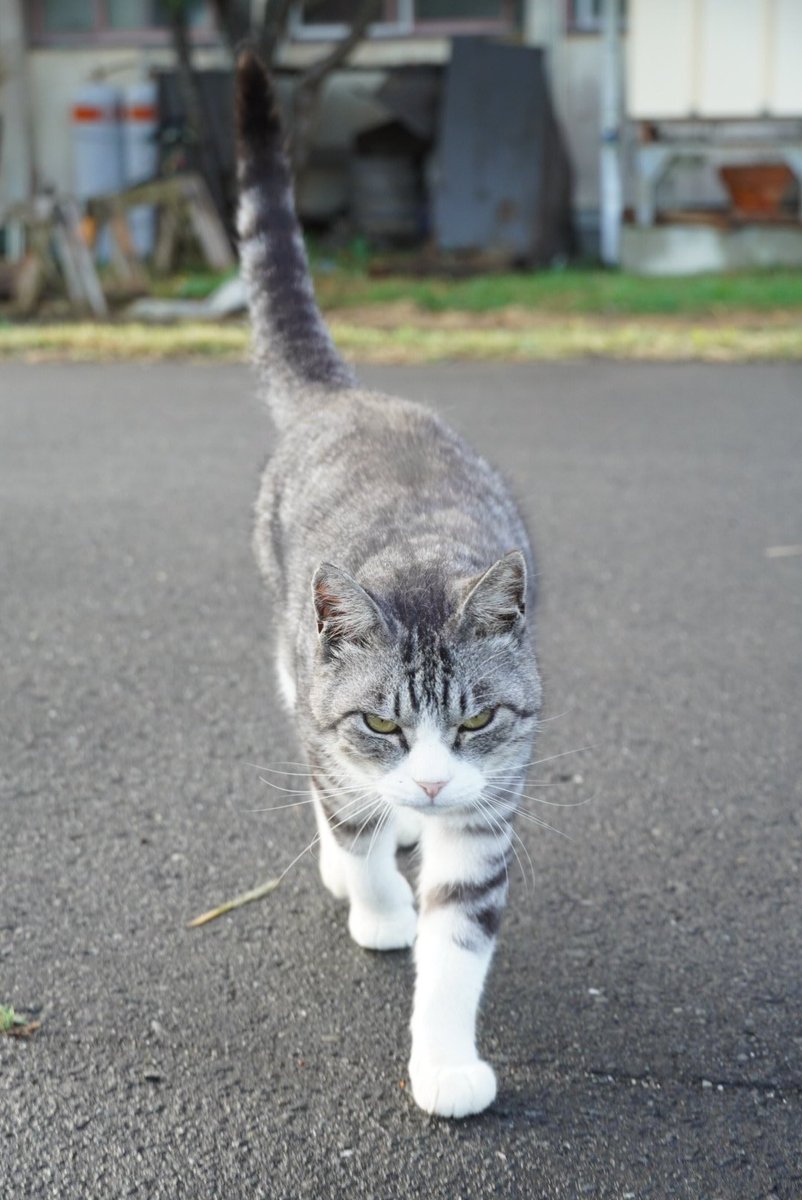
[{"x": 362, "y": 470}]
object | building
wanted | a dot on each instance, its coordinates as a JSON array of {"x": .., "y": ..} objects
[
  {"x": 698, "y": 66},
  {"x": 50, "y": 48}
]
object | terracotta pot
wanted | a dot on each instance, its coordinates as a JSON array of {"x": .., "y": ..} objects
[{"x": 757, "y": 189}]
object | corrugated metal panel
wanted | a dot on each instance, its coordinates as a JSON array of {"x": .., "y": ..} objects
[{"x": 504, "y": 179}]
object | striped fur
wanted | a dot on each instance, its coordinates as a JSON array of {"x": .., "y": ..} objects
[
  {"x": 402, "y": 585},
  {"x": 291, "y": 341}
]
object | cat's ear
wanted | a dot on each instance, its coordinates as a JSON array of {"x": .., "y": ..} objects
[
  {"x": 343, "y": 609},
  {"x": 495, "y": 602}
]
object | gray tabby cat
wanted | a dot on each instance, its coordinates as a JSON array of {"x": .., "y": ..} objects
[{"x": 401, "y": 576}]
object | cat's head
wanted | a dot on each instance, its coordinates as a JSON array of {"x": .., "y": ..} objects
[{"x": 427, "y": 695}]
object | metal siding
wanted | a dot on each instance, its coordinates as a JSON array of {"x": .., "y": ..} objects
[{"x": 490, "y": 173}]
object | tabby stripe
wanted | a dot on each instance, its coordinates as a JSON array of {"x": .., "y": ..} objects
[{"x": 464, "y": 893}]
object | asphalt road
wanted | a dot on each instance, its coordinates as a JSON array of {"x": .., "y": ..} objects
[{"x": 644, "y": 1008}]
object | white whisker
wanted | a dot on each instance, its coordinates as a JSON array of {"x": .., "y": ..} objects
[
  {"x": 529, "y": 816},
  {"x": 537, "y": 761},
  {"x": 539, "y": 799}
]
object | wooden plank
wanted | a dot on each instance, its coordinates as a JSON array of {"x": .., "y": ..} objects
[
  {"x": 124, "y": 256},
  {"x": 208, "y": 228},
  {"x": 28, "y": 282},
  {"x": 81, "y": 262},
  {"x": 166, "y": 243}
]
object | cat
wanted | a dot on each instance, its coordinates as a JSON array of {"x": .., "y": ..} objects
[{"x": 403, "y": 583}]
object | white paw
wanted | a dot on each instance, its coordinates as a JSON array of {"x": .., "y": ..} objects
[
  {"x": 332, "y": 873},
  {"x": 408, "y": 825},
  {"x": 453, "y": 1091},
  {"x": 393, "y": 930}
]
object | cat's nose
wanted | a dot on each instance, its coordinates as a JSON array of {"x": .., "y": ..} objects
[{"x": 432, "y": 789}]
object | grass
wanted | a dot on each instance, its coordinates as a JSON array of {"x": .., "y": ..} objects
[
  {"x": 521, "y": 317},
  {"x": 8, "y": 1018},
  {"x": 402, "y": 336},
  {"x": 346, "y": 283},
  {"x": 570, "y": 292},
  {"x": 14, "y": 1025}
]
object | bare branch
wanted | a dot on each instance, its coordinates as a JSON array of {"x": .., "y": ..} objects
[
  {"x": 367, "y": 13},
  {"x": 307, "y": 94},
  {"x": 232, "y": 19},
  {"x": 274, "y": 27}
]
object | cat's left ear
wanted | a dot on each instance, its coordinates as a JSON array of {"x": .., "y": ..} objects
[
  {"x": 343, "y": 609},
  {"x": 495, "y": 602}
]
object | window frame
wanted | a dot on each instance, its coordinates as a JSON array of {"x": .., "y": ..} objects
[
  {"x": 405, "y": 25},
  {"x": 103, "y": 34},
  {"x": 583, "y": 23}
]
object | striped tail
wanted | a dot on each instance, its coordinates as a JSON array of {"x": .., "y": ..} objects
[{"x": 292, "y": 345}]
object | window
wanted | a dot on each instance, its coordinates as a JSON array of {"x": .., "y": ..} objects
[
  {"x": 82, "y": 22},
  {"x": 585, "y": 16},
  {"x": 331, "y": 18}
]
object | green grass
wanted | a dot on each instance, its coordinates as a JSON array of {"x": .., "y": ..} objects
[
  {"x": 7, "y": 1018},
  {"x": 591, "y": 292},
  {"x": 189, "y": 285},
  {"x": 345, "y": 283}
]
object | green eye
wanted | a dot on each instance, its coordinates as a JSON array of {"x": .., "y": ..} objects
[
  {"x": 479, "y": 721},
  {"x": 379, "y": 724}
]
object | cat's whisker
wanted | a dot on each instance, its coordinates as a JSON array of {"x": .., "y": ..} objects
[
  {"x": 301, "y": 803},
  {"x": 298, "y": 857},
  {"x": 540, "y": 800},
  {"x": 515, "y": 836},
  {"x": 277, "y": 765},
  {"x": 311, "y": 791},
  {"x": 380, "y": 824},
  {"x": 478, "y": 807},
  {"x": 516, "y": 778},
  {"x": 551, "y": 757},
  {"x": 534, "y": 820},
  {"x": 529, "y": 816},
  {"x": 289, "y": 774},
  {"x": 504, "y": 827},
  {"x": 372, "y": 810},
  {"x": 556, "y": 717},
  {"x": 280, "y": 807},
  {"x": 525, "y": 849},
  {"x": 288, "y": 791}
]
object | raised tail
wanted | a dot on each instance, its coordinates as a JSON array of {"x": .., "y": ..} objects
[{"x": 292, "y": 345}]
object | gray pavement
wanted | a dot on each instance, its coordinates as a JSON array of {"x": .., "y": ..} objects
[{"x": 644, "y": 1008}]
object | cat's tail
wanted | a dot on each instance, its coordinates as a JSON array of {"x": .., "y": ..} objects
[{"x": 292, "y": 345}]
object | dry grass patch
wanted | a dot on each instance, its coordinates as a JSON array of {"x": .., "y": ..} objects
[{"x": 401, "y": 333}]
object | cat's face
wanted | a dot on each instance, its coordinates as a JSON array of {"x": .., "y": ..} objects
[{"x": 427, "y": 715}]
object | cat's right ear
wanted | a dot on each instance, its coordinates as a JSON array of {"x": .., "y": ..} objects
[{"x": 344, "y": 611}]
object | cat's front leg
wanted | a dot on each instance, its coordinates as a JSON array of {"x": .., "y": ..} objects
[
  {"x": 357, "y": 863},
  {"x": 463, "y": 888}
]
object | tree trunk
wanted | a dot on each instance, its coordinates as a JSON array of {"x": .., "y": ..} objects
[{"x": 192, "y": 102}]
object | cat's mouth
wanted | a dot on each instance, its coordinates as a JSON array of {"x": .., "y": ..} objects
[{"x": 432, "y": 804}]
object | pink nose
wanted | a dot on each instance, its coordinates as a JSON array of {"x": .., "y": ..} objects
[{"x": 432, "y": 789}]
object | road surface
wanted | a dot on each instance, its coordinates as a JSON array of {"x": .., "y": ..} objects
[{"x": 644, "y": 1006}]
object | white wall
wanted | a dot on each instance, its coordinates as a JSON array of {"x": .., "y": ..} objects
[
  {"x": 15, "y": 163},
  {"x": 715, "y": 59},
  {"x": 56, "y": 75}
]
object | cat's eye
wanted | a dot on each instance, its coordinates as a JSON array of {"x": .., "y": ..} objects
[
  {"x": 478, "y": 721},
  {"x": 379, "y": 724}
]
